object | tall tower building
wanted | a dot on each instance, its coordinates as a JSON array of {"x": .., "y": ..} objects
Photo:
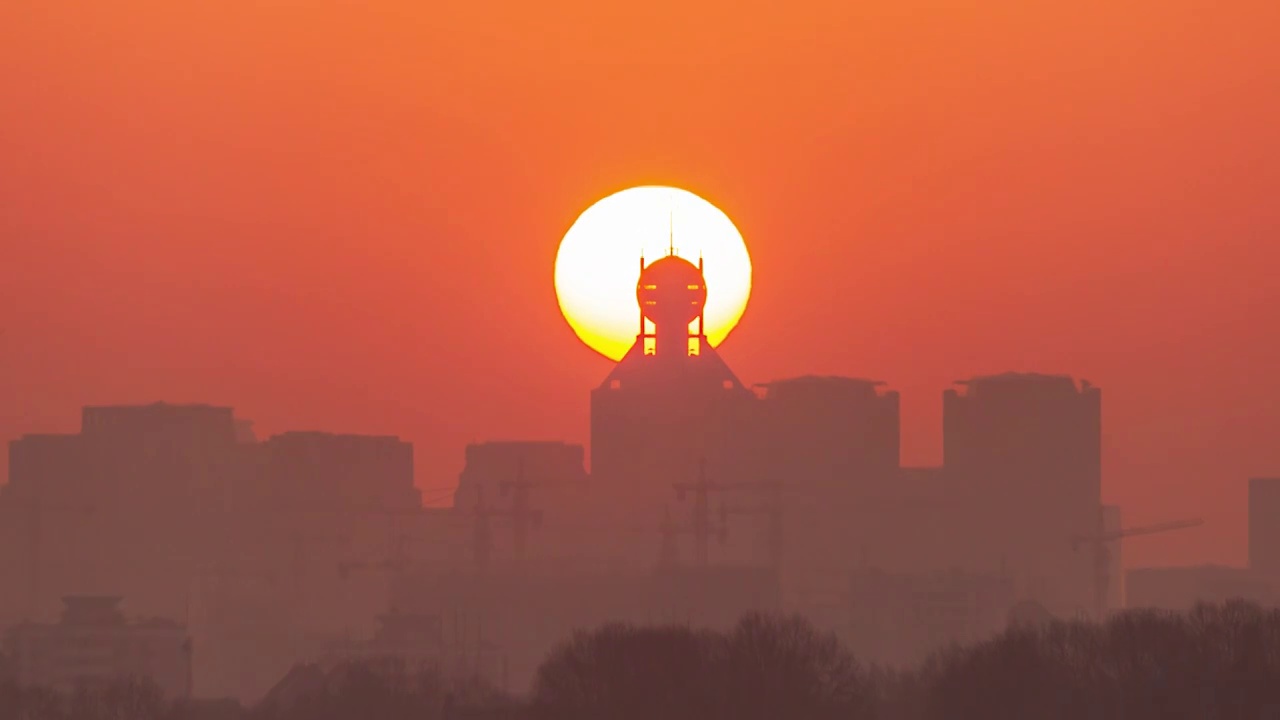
[
  {"x": 93, "y": 504},
  {"x": 834, "y": 443},
  {"x": 831, "y": 431},
  {"x": 1029, "y": 449},
  {"x": 671, "y": 403},
  {"x": 1264, "y": 527}
]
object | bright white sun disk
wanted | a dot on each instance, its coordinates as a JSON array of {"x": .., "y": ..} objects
[{"x": 598, "y": 263}]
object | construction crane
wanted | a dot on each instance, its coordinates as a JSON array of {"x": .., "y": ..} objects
[{"x": 1102, "y": 556}]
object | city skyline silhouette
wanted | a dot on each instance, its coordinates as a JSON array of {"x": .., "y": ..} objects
[
  {"x": 175, "y": 506},
  {"x": 686, "y": 360},
  {"x": 1082, "y": 210}
]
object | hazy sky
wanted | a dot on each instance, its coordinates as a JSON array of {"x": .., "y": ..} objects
[{"x": 343, "y": 215}]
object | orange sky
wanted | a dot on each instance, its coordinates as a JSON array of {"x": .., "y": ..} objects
[{"x": 343, "y": 215}]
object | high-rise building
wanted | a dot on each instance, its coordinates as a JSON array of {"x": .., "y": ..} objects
[
  {"x": 1029, "y": 448},
  {"x": 334, "y": 472},
  {"x": 1264, "y": 526},
  {"x": 672, "y": 404},
  {"x": 94, "y": 504},
  {"x": 833, "y": 444},
  {"x": 548, "y": 467},
  {"x": 830, "y": 431}
]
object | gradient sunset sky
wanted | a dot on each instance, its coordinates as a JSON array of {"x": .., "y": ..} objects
[{"x": 344, "y": 215}]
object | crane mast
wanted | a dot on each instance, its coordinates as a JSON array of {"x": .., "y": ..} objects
[{"x": 1102, "y": 556}]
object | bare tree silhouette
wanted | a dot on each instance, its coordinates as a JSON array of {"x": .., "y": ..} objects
[
  {"x": 777, "y": 666},
  {"x": 767, "y": 666},
  {"x": 1216, "y": 661},
  {"x": 386, "y": 689},
  {"x": 624, "y": 672}
]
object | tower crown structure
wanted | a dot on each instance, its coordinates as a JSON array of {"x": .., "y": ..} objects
[
  {"x": 671, "y": 291},
  {"x": 671, "y": 400}
]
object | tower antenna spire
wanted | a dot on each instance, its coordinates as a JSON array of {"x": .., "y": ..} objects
[{"x": 671, "y": 232}]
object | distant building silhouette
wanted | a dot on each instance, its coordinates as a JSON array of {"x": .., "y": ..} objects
[
  {"x": 1264, "y": 527},
  {"x": 706, "y": 499},
  {"x": 421, "y": 642},
  {"x": 900, "y": 618},
  {"x": 671, "y": 403},
  {"x": 93, "y": 645},
  {"x": 553, "y": 467},
  {"x": 95, "y": 503},
  {"x": 830, "y": 431},
  {"x": 301, "y": 682},
  {"x": 833, "y": 443},
  {"x": 244, "y": 431},
  {"x": 341, "y": 473},
  {"x": 525, "y": 613},
  {"x": 1180, "y": 588},
  {"x": 1030, "y": 446},
  {"x": 180, "y": 509}
]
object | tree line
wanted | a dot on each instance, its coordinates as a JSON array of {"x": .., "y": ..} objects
[{"x": 1216, "y": 661}]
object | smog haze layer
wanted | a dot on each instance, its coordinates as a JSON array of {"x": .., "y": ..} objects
[{"x": 346, "y": 218}]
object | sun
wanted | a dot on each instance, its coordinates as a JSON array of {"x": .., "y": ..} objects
[{"x": 598, "y": 263}]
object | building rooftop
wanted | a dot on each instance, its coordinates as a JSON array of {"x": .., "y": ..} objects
[
  {"x": 159, "y": 405},
  {"x": 823, "y": 384},
  {"x": 318, "y": 435},
  {"x": 92, "y": 610},
  {"x": 520, "y": 444},
  {"x": 1204, "y": 568},
  {"x": 1021, "y": 382},
  {"x": 47, "y": 438}
]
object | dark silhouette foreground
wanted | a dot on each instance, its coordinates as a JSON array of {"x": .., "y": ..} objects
[
  {"x": 1214, "y": 662},
  {"x": 766, "y": 667}
]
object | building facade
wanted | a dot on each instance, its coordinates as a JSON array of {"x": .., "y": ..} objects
[
  {"x": 1029, "y": 449},
  {"x": 92, "y": 505},
  {"x": 1179, "y": 588},
  {"x": 1264, "y": 526},
  {"x": 899, "y": 618},
  {"x": 419, "y": 643},
  {"x": 93, "y": 645},
  {"x": 338, "y": 472}
]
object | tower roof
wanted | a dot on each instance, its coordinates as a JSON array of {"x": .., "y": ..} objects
[{"x": 671, "y": 291}]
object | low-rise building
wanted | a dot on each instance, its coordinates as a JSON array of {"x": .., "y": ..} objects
[
  {"x": 94, "y": 645},
  {"x": 1179, "y": 588},
  {"x": 899, "y": 618},
  {"x": 417, "y": 642}
]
